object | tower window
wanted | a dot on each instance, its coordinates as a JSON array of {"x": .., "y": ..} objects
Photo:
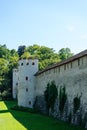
[
  {"x": 21, "y": 64},
  {"x": 27, "y": 63},
  {"x": 26, "y": 78},
  {"x": 16, "y": 84},
  {"x": 26, "y": 89},
  {"x": 29, "y": 102},
  {"x": 33, "y": 63}
]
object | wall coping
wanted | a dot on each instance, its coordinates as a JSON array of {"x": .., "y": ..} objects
[{"x": 73, "y": 58}]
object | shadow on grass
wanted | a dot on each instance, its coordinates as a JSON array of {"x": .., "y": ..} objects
[
  {"x": 37, "y": 122},
  {"x": 22, "y": 117},
  {"x": 3, "y": 111}
]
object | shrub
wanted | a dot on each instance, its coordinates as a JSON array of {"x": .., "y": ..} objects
[
  {"x": 24, "y": 109},
  {"x": 6, "y": 95},
  {"x": 62, "y": 98},
  {"x": 50, "y": 94},
  {"x": 70, "y": 117},
  {"x": 76, "y": 104}
]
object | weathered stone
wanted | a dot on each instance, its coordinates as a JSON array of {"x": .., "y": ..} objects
[{"x": 72, "y": 73}]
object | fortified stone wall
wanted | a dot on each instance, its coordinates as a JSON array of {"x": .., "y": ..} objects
[
  {"x": 26, "y": 82},
  {"x": 15, "y": 83},
  {"x": 73, "y": 75},
  {"x": 29, "y": 84}
]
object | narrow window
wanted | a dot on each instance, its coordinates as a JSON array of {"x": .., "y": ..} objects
[
  {"x": 26, "y": 89},
  {"x": 33, "y": 63},
  {"x": 27, "y": 63},
  {"x": 16, "y": 84},
  {"x": 29, "y": 102},
  {"x": 26, "y": 78},
  {"x": 21, "y": 64}
]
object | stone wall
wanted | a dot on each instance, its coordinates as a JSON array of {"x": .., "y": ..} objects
[
  {"x": 15, "y": 83},
  {"x": 26, "y": 82},
  {"x": 73, "y": 75}
]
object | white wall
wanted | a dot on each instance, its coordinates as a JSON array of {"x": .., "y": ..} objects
[
  {"x": 26, "y": 88},
  {"x": 72, "y": 75},
  {"x": 15, "y": 83}
]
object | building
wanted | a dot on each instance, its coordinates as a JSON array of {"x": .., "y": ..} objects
[
  {"x": 24, "y": 82},
  {"x": 28, "y": 82}
]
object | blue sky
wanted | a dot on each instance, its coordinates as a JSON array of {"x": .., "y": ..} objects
[{"x": 53, "y": 23}]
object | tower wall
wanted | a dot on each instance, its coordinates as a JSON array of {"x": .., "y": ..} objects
[
  {"x": 15, "y": 83},
  {"x": 26, "y": 83}
]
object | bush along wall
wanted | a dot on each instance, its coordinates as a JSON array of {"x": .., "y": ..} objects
[
  {"x": 50, "y": 95},
  {"x": 77, "y": 110},
  {"x": 57, "y": 105},
  {"x": 62, "y": 98}
]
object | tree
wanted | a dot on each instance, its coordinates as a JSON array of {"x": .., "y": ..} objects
[
  {"x": 47, "y": 56},
  {"x": 25, "y": 55},
  {"x": 4, "y": 52},
  {"x": 8, "y": 61},
  {"x": 65, "y": 53},
  {"x": 21, "y": 50}
]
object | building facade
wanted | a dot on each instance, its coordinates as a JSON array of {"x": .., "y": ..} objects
[
  {"x": 25, "y": 82},
  {"x": 31, "y": 83}
]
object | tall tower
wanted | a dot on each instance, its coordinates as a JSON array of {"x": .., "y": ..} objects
[
  {"x": 26, "y": 82},
  {"x": 15, "y": 83}
]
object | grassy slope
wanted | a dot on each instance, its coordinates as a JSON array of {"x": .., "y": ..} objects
[{"x": 16, "y": 120}]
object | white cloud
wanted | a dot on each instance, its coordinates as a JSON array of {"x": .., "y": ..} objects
[{"x": 71, "y": 28}]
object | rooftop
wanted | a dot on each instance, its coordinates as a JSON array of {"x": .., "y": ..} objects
[{"x": 73, "y": 58}]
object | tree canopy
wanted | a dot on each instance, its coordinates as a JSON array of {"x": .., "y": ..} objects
[{"x": 9, "y": 60}]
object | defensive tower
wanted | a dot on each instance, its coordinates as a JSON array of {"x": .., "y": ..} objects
[{"x": 26, "y": 81}]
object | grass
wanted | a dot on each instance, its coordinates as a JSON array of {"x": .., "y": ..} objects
[{"x": 18, "y": 120}]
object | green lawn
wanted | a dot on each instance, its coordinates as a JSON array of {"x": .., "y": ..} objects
[{"x": 17, "y": 120}]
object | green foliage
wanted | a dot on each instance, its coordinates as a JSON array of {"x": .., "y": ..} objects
[
  {"x": 65, "y": 53},
  {"x": 6, "y": 95},
  {"x": 51, "y": 94},
  {"x": 8, "y": 61},
  {"x": 25, "y": 109},
  {"x": 25, "y": 55},
  {"x": 4, "y": 52},
  {"x": 62, "y": 98},
  {"x": 76, "y": 104},
  {"x": 21, "y": 50},
  {"x": 47, "y": 56}
]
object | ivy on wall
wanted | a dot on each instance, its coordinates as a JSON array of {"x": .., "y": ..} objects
[
  {"x": 50, "y": 94},
  {"x": 76, "y": 104},
  {"x": 62, "y": 98}
]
